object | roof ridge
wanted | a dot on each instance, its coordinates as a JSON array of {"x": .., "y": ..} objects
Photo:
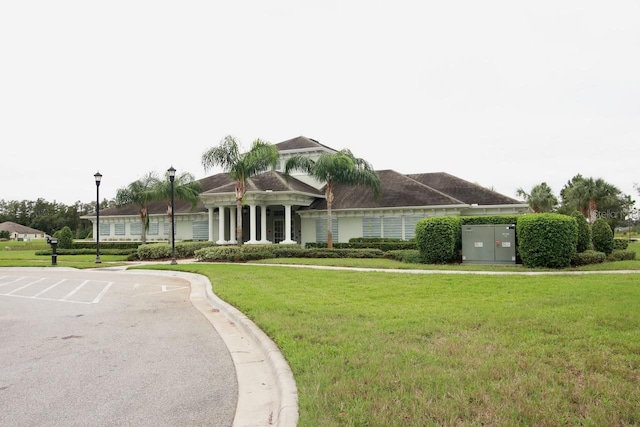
[{"x": 433, "y": 189}]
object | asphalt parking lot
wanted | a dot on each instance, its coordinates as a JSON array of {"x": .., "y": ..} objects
[{"x": 94, "y": 348}]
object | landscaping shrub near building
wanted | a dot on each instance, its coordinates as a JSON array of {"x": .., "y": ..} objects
[
  {"x": 411, "y": 256},
  {"x": 588, "y": 257},
  {"x": 621, "y": 255},
  {"x": 255, "y": 252},
  {"x": 584, "y": 232},
  {"x": 602, "y": 236},
  {"x": 547, "y": 240},
  {"x": 437, "y": 238},
  {"x": 620, "y": 244}
]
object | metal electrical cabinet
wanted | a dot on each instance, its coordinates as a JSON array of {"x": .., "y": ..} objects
[{"x": 489, "y": 244}]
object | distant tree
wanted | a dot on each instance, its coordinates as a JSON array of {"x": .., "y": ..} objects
[
  {"x": 65, "y": 238},
  {"x": 240, "y": 166},
  {"x": 185, "y": 187},
  {"x": 540, "y": 199},
  {"x": 140, "y": 193},
  {"x": 336, "y": 168},
  {"x": 590, "y": 196},
  {"x": 5, "y": 235}
]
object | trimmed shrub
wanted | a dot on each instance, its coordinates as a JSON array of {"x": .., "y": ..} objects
[
  {"x": 620, "y": 244},
  {"x": 584, "y": 232},
  {"x": 588, "y": 257},
  {"x": 411, "y": 256},
  {"x": 154, "y": 251},
  {"x": 437, "y": 238},
  {"x": 621, "y": 255},
  {"x": 602, "y": 236},
  {"x": 547, "y": 240},
  {"x": 65, "y": 237}
]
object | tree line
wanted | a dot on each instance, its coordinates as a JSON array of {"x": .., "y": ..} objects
[
  {"x": 592, "y": 197},
  {"x": 51, "y": 216}
]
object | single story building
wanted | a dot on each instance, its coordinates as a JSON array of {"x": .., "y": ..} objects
[
  {"x": 22, "y": 232},
  {"x": 278, "y": 209}
]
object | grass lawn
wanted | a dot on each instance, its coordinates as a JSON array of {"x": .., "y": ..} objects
[
  {"x": 23, "y": 254},
  {"x": 380, "y": 349}
]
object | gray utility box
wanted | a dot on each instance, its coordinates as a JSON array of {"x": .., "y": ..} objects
[{"x": 489, "y": 244}]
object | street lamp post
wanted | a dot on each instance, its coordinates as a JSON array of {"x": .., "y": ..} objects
[
  {"x": 172, "y": 176},
  {"x": 98, "y": 177}
]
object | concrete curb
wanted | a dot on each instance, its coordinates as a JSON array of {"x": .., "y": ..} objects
[{"x": 267, "y": 392}]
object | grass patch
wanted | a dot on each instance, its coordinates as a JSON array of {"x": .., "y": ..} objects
[{"x": 379, "y": 349}]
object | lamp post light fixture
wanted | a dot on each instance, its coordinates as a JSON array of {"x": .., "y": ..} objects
[
  {"x": 172, "y": 177},
  {"x": 98, "y": 177}
]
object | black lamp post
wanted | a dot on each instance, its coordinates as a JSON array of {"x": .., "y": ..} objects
[
  {"x": 98, "y": 177},
  {"x": 172, "y": 176}
]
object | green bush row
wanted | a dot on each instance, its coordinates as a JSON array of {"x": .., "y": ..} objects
[
  {"x": 588, "y": 257},
  {"x": 151, "y": 251},
  {"x": 62, "y": 251},
  {"x": 383, "y": 244},
  {"x": 105, "y": 245},
  {"x": 407, "y": 255},
  {"x": 621, "y": 255},
  {"x": 255, "y": 252}
]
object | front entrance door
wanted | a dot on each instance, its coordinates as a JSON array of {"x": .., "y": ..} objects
[{"x": 278, "y": 230}]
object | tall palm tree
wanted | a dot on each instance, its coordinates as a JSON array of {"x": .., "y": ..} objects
[
  {"x": 588, "y": 194},
  {"x": 336, "y": 168},
  {"x": 140, "y": 192},
  {"x": 185, "y": 187},
  {"x": 541, "y": 198},
  {"x": 241, "y": 166}
]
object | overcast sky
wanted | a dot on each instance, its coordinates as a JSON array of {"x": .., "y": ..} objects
[{"x": 507, "y": 94}]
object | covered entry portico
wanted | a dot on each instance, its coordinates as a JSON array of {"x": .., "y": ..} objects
[{"x": 268, "y": 215}]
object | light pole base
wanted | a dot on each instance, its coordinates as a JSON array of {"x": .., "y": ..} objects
[
  {"x": 173, "y": 261},
  {"x": 98, "y": 261}
]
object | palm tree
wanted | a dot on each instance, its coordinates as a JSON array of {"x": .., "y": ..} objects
[
  {"x": 336, "y": 168},
  {"x": 185, "y": 187},
  {"x": 588, "y": 193},
  {"x": 541, "y": 198},
  {"x": 139, "y": 193},
  {"x": 241, "y": 166}
]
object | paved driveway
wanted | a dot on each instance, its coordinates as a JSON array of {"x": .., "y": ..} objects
[{"x": 94, "y": 348}]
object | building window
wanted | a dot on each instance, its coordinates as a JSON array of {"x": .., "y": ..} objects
[
  {"x": 135, "y": 229},
  {"x": 371, "y": 226},
  {"x": 392, "y": 227},
  {"x": 322, "y": 236},
  {"x": 154, "y": 228},
  {"x": 410, "y": 223},
  {"x": 105, "y": 229},
  {"x": 119, "y": 229},
  {"x": 200, "y": 230}
]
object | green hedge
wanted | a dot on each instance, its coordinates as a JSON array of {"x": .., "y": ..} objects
[
  {"x": 105, "y": 245},
  {"x": 547, "y": 240},
  {"x": 254, "y": 252},
  {"x": 621, "y": 255},
  {"x": 588, "y": 257},
  {"x": 437, "y": 238},
  {"x": 602, "y": 236},
  {"x": 408, "y": 255},
  {"x": 620, "y": 244},
  {"x": 584, "y": 232}
]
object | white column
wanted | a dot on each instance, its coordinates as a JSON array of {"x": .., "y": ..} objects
[
  {"x": 233, "y": 239},
  {"x": 211, "y": 221},
  {"x": 252, "y": 224},
  {"x": 263, "y": 224},
  {"x": 287, "y": 225},
  {"x": 221, "y": 212}
]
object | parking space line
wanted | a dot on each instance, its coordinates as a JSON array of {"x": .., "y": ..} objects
[
  {"x": 70, "y": 294},
  {"x": 25, "y": 286},
  {"x": 11, "y": 281},
  {"x": 101, "y": 294},
  {"x": 49, "y": 288}
]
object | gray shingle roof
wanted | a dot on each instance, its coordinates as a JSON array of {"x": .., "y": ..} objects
[
  {"x": 397, "y": 190},
  {"x": 300, "y": 143},
  {"x": 463, "y": 190},
  {"x": 13, "y": 227}
]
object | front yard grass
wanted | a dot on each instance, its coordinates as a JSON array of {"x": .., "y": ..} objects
[{"x": 380, "y": 349}]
